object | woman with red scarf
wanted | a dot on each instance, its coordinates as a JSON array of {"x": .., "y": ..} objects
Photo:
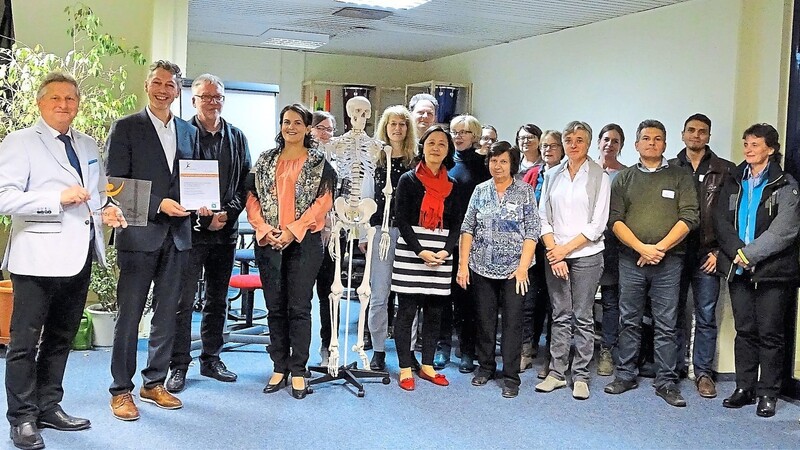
[{"x": 426, "y": 213}]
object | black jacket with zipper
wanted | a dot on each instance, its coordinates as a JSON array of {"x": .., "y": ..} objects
[{"x": 773, "y": 253}]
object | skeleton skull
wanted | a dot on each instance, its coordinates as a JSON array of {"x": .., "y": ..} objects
[{"x": 359, "y": 110}]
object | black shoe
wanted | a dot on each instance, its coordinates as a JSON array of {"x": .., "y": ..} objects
[
  {"x": 510, "y": 391},
  {"x": 467, "y": 364},
  {"x": 481, "y": 379},
  {"x": 619, "y": 386},
  {"x": 270, "y": 388},
  {"x": 671, "y": 395},
  {"x": 59, "y": 420},
  {"x": 378, "y": 362},
  {"x": 177, "y": 381},
  {"x": 217, "y": 370},
  {"x": 766, "y": 406},
  {"x": 367, "y": 341},
  {"x": 440, "y": 359},
  {"x": 26, "y": 436},
  {"x": 739, "y": 398},
  {"x": 300, "y": 393}
]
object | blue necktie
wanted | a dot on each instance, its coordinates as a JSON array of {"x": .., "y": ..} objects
[{"x": 71, "y": 155}]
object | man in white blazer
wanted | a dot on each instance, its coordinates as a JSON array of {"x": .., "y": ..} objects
[{"x": 52, "y": 183}]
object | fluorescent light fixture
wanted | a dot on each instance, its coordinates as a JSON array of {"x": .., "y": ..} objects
[
  {"x": 294, "y": 39},
  {"x": 387, "y": 4}
]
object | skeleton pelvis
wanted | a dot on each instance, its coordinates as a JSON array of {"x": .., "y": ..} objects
[{"x": 360, "y": 213}]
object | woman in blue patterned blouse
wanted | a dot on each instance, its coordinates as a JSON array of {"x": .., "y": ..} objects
[{"x": 503, "y": 224}]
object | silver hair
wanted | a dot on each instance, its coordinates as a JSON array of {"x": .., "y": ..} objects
[
  {"x": 210, "y": 79},
  {"x": 57, "y": 77},
  {"x": 576, "y": 125},
  {"x": 420, "y": 97}
]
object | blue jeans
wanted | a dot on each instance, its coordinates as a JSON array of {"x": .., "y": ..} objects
[
  {"x": 705, "y": 292},
  {"x": 610, "y": 301},
  {"x": 380, "y": 281},
  {"x": 661, "y": 283}
]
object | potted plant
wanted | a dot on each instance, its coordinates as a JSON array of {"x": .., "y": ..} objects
[
  {"x": 98, "y": 62},
  {"x": 104, "y": 313}
]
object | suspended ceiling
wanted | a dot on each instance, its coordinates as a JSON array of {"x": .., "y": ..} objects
[{"x": 433, "y": 30}]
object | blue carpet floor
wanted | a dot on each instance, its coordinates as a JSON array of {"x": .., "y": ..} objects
[{"x": 238, "y": 416}]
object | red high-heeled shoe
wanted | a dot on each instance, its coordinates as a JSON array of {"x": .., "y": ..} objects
[
  {"x": 438, "y": 379},
  {"x": 407, "y": 384}
]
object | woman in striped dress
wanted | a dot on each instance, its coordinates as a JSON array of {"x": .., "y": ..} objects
[{"x": 426, "y": 213}]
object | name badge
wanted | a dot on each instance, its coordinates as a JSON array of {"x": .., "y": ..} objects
[
  {"x": 666, "y": 193},
  {"x": 701, "y": 177}
]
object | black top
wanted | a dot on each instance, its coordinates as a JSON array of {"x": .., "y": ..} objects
[
  {"x": 229, "y": 147},
  {"x": 409, "y": 200},
  {"x": 398, "y": 169},
  {"x": 470, "y": 170}
]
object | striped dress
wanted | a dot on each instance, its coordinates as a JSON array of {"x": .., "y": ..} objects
[{"x": 410, "y": 275}]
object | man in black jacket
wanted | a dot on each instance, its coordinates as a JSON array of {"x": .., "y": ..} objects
[
  {"x": 708, "y": 171},
  {"x": 147, "y": 146},
  {"x": 213, "y": 236}
]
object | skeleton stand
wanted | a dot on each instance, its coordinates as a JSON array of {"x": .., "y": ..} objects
[{"x": 350, "y": 373}]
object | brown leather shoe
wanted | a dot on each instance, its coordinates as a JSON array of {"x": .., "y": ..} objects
[
  {"x": 706, "y": 387},
  {"x": 123, "y": 408},
  {"x": 159, "y": 396}
]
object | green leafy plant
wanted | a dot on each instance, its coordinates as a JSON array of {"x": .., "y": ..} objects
[
  {"x": 104, "y": 281},
  {"x": 98, "y": 62}
]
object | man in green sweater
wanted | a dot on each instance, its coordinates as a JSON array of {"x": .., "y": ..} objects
[{"x": 653, "y": 208}]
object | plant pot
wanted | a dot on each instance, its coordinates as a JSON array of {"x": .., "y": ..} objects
[
  {"x": 103, "y": 323},
  {"x": 6, "y": 308}
]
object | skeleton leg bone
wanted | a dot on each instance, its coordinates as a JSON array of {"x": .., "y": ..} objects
[
  {"x": 335, "y": 296},
  {"x": 364, "y": 291}
]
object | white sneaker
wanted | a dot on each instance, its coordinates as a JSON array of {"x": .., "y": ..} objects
[
  {"x": 550, "y": 384},
  {"x": 580, "y": 390}
]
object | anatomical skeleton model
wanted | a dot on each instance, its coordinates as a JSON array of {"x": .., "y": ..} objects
[{"x": 356, "y": 155}]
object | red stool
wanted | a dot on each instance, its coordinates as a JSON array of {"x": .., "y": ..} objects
[{"x": 247, "y": 332}]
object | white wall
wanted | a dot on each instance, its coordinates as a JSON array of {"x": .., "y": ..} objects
[
  {"x": 666, "y": 64},
  {"x": 289, "y": 68}
]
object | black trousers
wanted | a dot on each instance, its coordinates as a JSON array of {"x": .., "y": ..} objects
[
  {"x": 324, "y": 280},
  {"x": 165, "y": 269},
  {"x": 758, "y": 316},
  {"x": 217, "y": 260},
  {"x": 50, "y": 308},
  {"x": 459, "y": 314},
  {"x": 542, "y": 308},
  {"x": 492, "y": 296},
  {"x": 407, "y": 305},
  {"x": 288, "y": 280}
]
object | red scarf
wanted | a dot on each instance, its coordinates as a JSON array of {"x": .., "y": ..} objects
[{"x": 437, "y": 188}]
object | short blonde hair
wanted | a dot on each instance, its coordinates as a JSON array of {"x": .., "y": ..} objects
[
  {"x": 409, "y": 143},
  {"x": 470, "y": 123}
]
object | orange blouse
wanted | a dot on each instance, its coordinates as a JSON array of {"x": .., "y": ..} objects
[{"x": 313, "y": 219}]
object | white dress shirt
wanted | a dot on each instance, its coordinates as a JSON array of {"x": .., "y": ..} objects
[
  {"x": 166, "y": 134},
  {"x": 571, "y": 215}
]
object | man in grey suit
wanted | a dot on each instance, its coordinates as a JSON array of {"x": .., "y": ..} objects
[
  {"x": 147, "y": 146},
  {"x": 53, "y": 186}
]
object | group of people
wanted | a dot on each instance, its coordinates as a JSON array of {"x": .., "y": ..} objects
[{"x": 478, "y": 227}]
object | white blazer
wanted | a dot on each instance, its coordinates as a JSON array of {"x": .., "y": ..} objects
[{"x": 46, "y": 238}]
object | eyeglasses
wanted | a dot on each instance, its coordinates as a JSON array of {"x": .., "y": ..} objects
[
  {"x": 328, "y": 130},
  {"x": 528, "y": 138},
  {"x": 549, "y": 146},
  {"x": 209, "y": 98},
  {"x": 461, "y": 133},
  {"x": 489, "y": 140}
]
